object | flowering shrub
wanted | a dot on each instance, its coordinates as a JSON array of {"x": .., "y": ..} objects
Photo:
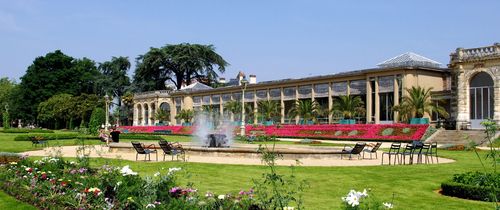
[
  {"x": 176, "y": 129},
  {"x": 360, "y": 200},
  {"x": 53, "y": 183}
]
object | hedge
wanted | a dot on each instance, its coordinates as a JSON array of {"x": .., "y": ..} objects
[
  {"x": 7, "y": 157},
  {"x": 24, "y": 130},
  {"x": 141, "y": 137},
  {"x": 472, "y": 192},
  {"x": 27, "y": 137}
]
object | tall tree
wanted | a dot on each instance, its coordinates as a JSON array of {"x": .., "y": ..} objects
[
  {"x": 53, "y": 74},
  {"x": 269, "y": 109},
  {"x": 178, "y": 64},
  {"x": 349, "y": 106},
  {"x": 115, "y": 80},
  {"x": 305, "y": 109},
  {"x": 417, "y": 102},
  {"x": 55, "y": 111},
  {"x": 7, "y": 87}
]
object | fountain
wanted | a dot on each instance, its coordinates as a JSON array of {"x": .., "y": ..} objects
[{"x": 213, "y": 130}]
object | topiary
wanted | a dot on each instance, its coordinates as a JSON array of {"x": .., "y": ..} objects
[
  {"x": 97, "y": 119},
  {"x": 387, "y": 131}
]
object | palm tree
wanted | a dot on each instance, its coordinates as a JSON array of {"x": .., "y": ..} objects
[
  {"x": 417, "y": 103},
  {"x": 186, "y": 115},
  {"x": 233, "y": 107},
  {"x": 269, "y": 109},
  {"x": 162, "y": 115},
  {"x": 349, "y": 106},
  {"x": 305, "y": 109}
]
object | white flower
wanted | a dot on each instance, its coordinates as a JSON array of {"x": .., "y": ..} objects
[
  {"x": 150, "y": 206},
  {"x": 353, "y": 200},
  {"x": 388, "y": 205},
  {"x": 289, "y": 208},
  {"x": 53, "y": 160},
  {"x": 13, "y": 163},
  {"x": 72, "y": 163},
  {"x": 127, "y": 171},
  {"x": 157, "y": 174},
  {"x": 173, "y": 170},
  {"x": 118, "y": 183},
  {"x": 221, "y": 197}
]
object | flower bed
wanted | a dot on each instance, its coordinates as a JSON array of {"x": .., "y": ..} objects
[
  {"x": 53, "y": 183},
  {"x": 175, "y": 129},
  {"x": 390, "y": 132}
]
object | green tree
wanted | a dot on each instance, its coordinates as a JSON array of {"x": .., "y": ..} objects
[
  {"x": 162, "y": 115},
  {"x": 7, "y": 88},
  {"x": 53, "y": 74},
  {"x": 269, "y": 109},
  {"x": 55, "y": 111},
  {"x": 127, "y": 109},
  {"x": 417, "y": 102},
  {"x": 186, "y": 115},
  {"x": 115, "y": 80},
  {"x": 349, "y": 106},
  {"x": 234, "y": 107},
  {"x": 178, "y": 64},
  {"x": 6, "y": 119},
  {"x": 305, "y": 109},
  {"x": 97, "y": 119}
]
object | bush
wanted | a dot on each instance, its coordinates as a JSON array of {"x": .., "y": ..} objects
[
  {"x": 24, "y": 130},
  {"x": 139, "y": 136},
  {"x": 474, "y": 185},
  {"x": 469, "y": 191},
  {"x": 97, "y": 118},
  {"x": 59, "y": 136}
]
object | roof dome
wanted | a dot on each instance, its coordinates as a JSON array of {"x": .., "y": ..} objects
[{"x": 409, "y": 59}]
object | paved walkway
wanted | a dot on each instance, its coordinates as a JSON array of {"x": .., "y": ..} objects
[{"x": 101, "y": 151}]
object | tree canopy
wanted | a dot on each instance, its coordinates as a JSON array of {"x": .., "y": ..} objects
[
  {"x": 178, "y": 64},
  {"x": 53, "y": 74},
  {"x": 115, "y": 80}
]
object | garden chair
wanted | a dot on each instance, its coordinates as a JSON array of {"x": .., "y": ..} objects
[
  {"x": 36, "y": 140},
  {"x": 356, "y": 150},
  {"x": 424, "y": 151},
  {"x": 374, "y": 149},
  {"x": 410, "y": 150},
  {"x": 170, "y": 149},
  {"x": 146, "y": 151},
  {"x": 433, "y": 151},
  {"x": 393, "y": 151}
]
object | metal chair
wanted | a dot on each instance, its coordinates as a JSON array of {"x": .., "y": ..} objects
[
  {"x": 374, "y": 149},
  {"x": 356, "y": 150},
  {"x": 170, "y": 149},
  {"x": 393, "y": 151},
  {"x": 146, "y": 151},
  {"x": 424, "y": 151},
  {"x": 433, "y": 152}
]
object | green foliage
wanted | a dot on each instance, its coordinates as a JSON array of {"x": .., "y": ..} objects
[
  {"x": 56, "y": 109},
  {"x": 387, "y": 131},
  {"x": 338, "y": 133},
  {"x": 24, "y": 130},
  {"x": 416, "y": 103},
  {"x": 186, "y": 115},
  {"x": 179, "y": 64},
  {"x": 269, "y": 109},
  {"x": 353, "y": 133},
  {"x": 140, "y": 136},
  {"x": 428, "y": 133},
  {"x": 46, "y": 136},
  {"x": 7, "y": 157},
  {"x": 234, "y": 107},
  {"x": 305, "y": 109},
  {"x": 97, "y": 119},
  {"x": 274, "y": 190},
  {"x": 6, "y": 120},
  {"x": 50, "y": 75},
  {"x": 162, "y": 115},
  {"x": 407, "y": 130},
  {"x": 467, "y": 191},
  {"x": 349, "y": 106}
]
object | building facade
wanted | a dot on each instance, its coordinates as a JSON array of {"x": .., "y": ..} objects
[{"x": 467, "y": 88}]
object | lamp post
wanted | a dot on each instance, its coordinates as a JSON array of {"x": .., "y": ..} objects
[
  {"x": 244, "y": 86},
  {"x": 106, "y": 100}
]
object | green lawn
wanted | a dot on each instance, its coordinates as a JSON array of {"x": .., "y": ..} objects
[{"x": 413, "y": 186}]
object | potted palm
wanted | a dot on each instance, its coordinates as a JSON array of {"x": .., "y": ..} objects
[
  {"x": 269, "y": 110},
  {"x": 308, "y": 110},
  {"x": 349, "y": 106},
  {"x": 186, "y": 115},
  {"x": 234, "y": 107},
  {"x": 163, "y": 116},
  {"x": 416, "y": 103}
]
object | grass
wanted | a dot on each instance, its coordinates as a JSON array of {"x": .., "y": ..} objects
[{"x": 413, "y": 186}]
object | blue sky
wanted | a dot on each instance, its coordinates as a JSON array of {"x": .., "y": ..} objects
[{"x": 272, "y": 39}]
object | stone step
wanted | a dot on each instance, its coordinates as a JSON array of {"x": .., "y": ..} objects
[{"x": 458, "y": 137}]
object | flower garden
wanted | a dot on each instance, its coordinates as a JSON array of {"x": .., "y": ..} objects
[{"x": 378, "y": 132}]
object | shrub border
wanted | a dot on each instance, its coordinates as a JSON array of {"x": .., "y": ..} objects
[{"x": 471, "y": 192}]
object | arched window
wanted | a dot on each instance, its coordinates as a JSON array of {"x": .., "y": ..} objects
[{"x": 481, "y": 98}]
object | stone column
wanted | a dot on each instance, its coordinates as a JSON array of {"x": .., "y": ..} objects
[
  {"x": 282, "y": 103},
  {"x": 369, "y": 99},
  {"x": 255, "y": 111},
  {"x": 496, "y": 94},
  {"x": 330, "y": 102},
  {"x": 377, "y": 102},
  {"x": 462, "y": 98},
  {"x": 135, "y": 116},
  {"x": 151, "y": 114},
  {"x": 396, "y": 98},
  {"x": 173, "y": 112},
  {"x": 297, "y": 118}
]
